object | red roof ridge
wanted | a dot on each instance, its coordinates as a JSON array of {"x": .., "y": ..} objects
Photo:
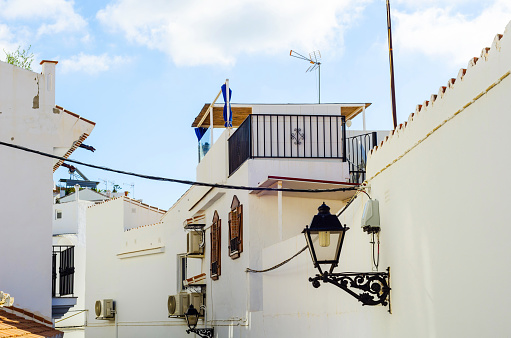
[
  {"x": 134, "y": 201},
  {"x": 75, "y": 115},
  {"x": 144, "y": 226}
]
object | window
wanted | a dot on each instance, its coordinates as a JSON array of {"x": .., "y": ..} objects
[
  {"x": 216, "y": 247},
  {"x": 235, "y": 228},
  {"x": 181, "y": 274},
  {"x": 58, "y": 214}
]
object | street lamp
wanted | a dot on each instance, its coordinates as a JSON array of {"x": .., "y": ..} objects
[
  {"x": 192, "y": 318},
  {"x": 325, "y": 238}
]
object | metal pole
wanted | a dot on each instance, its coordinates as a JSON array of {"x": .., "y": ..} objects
[
  {"x": 211, "y": 125},
  {"x": 364, "y": 118},
  {"x": 319, "y": 80},
  {"x": 227, "y": 101},
  {"x": 391, "y": 61}
]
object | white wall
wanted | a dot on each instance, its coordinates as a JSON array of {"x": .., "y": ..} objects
[
  {"x": 131, "y": 267},
  {"x": 444, "y": 232},
  {"x": 26, "y": 180},
  {"x": 71, "y": 230}
]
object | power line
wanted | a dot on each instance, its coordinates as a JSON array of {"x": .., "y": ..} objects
[
  {"x": 278, "y": 265},
  {"x": 164, "y": 179}
]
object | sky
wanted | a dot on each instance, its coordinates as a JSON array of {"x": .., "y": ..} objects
[{"x": 142, "y": 70}]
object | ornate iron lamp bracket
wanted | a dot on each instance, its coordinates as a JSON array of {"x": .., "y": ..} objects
[
  {"x": 202, "y": 332},
  {"x": 375, "y": 285}
]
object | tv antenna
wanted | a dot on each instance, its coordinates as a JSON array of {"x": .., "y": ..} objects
[{"x": 315, "y": 60}]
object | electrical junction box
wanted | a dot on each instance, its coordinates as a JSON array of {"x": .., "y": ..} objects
[{"x": 371, "y": 217}]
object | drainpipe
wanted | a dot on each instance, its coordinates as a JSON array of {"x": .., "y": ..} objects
[{"x": 116, "y": 326}]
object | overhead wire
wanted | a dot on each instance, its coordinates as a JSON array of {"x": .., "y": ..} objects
[
  {"x": 278, "y": 265},
  {"x": 174, "y": 180},
  {"x": 305, "y": 247}
]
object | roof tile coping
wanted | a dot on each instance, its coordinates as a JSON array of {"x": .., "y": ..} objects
[
  {"x": 144, "y": 226},
  {"x": 13, "y": 325},
  {"x": 28, "y": 315},
  {"x": 75, "y": 145},
  {"x": 453, "y": 85},
  {"x": 132, "y": 201},
  {"x": 75, "y": 115}
]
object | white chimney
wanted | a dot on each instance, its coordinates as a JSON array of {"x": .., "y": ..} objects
[
  {"x": 48, "y": 82},
  {"x": 77, "y": 192}
]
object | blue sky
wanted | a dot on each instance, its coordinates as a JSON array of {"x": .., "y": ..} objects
[{"x": 142, "y": 70}]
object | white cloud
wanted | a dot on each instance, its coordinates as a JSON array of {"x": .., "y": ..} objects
[
  {"x": 196, "y": 32},
  {"x": 55, "y": 16},
  {"x": 446, "y": 33},
  {"x": 92, "y": 64}
]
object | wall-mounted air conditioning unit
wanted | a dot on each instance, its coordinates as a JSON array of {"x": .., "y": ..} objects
[
  {"x": 195, "y": 245},
  {"x": 105, "y": 309},
  {"x": 178, "y": 304},
  {"x": 196, "y": 299}
]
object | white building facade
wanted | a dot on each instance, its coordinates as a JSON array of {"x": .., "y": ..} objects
[
  {"x": 69, "y": 232},
  {"x": 441, "y": 181},
  {"x": 147, "y": 264},
  {"x": 443, "y": 233},
  {"x": 30, "y": 118}
]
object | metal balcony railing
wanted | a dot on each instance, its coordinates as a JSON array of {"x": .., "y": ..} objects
[
  {"x": 63, "y": 270},
  {"x": 287, "y": 136},
  {"x": 357, "y": 149}
]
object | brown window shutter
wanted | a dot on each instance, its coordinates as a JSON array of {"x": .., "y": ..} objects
[
  {"x": 215, "y": 236},
  {"x": 240, "y": 227},
  {"x": 235, "y": 228}
]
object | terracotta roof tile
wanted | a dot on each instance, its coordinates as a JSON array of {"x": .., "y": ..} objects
[
  {"x": 12, "y": 325},
  {"x": 76, "y": 144}
]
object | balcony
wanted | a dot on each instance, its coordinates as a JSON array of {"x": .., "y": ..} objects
[
  {"x": 62, "y": 280},
  {"x": 287, "y": 136},
  {"x": 357, "y": 148}
]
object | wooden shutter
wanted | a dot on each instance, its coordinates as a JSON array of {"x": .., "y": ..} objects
[
  {"x": 235, "y": 228},
  {"x": 216, "y": 231}
]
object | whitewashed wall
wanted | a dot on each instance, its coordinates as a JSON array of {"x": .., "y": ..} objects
[
  {"x": 27, "y": 207},
  {"x": 71, "y": 230},
  {"x": 131, "y": 267},
  {"x": 444, "y": 229}
]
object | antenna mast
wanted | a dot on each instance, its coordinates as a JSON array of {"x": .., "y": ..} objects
[
  {"x": 315, "y": 59},
  {"x": 391, "y": 61}
]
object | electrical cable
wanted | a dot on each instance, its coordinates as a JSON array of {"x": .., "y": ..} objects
[
  {"x": 348, "y": 204},
  {"x": 278, "y": 265},
  {"x": 376, "y": 261},
  {"x": 157, "y": 178}
]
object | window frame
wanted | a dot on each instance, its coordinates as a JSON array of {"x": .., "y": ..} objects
[{"x": 182, "y": 267}]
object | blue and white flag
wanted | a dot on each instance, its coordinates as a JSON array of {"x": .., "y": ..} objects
[{"x": 227, "y": 123}]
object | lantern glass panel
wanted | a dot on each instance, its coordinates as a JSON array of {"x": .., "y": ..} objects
[
  {"x": 192, "y": 317},
  {"x": 326, "y": 253},
  {"x": 192, "y": 320}
]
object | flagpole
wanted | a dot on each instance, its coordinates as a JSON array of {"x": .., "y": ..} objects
[{"x": 227, "y": 101}]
